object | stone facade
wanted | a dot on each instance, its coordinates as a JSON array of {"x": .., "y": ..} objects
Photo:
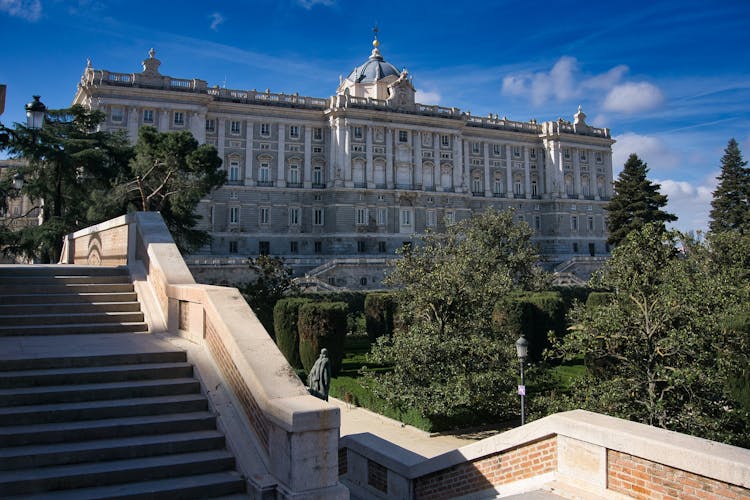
[{"x": 356, "y": 175}]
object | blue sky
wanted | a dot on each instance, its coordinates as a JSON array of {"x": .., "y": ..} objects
[{"x": 671, "y": 79}]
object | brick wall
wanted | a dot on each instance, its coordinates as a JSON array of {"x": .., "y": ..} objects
[
  {"x": 490, "y": 471},
  {"x": 343, "y": 463},
  {"x": 377, "y": 476},
  {"x": 643, "y": 479},
  {"x": 253, "y": 412}
]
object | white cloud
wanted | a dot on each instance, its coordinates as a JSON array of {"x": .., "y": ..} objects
[
  {"x": 633, "y": 97},
  {"x": 31, "y": 10},
  {"x": 216, "y": 20},
  {"x": 653, "y": 150},
  {"x": 690, "y": 203},
  {"x": 309, "y": 4},
  {"x": 565, "y": 81},
  {"x": 427, "y": 97}
]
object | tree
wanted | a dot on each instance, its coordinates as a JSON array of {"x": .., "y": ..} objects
[
  {"x": 658, "y": 349},
  {"x": 171, "y": 173},
  {"x": 447, "y": 360},
  {"x": 273, "y": 282},
  {"x": 730, "y": 207},
  {"x": 69, "y": 159},
  {"x": 636, "y": 202}
]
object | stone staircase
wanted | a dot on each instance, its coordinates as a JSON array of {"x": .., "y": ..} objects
[{"x": 105, "y": 414}]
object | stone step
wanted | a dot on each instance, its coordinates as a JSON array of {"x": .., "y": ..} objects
[
  {"x": 31, "y": 281},
  {"x": 60, "y": 270},
  {"x": 61, "y": 298},
  {"x": 19, "y": 482},
  {"x": 196, "y": 486},
  {"x": 95, "y": 392},
  {"x": 74, "y": 329},
  {"x": 90, "y": 361},
  {"x": 72, "y": 318},
  {"x": 93, "y": 374},
  {"x": 103, "y": 409},
  {"x": 67, "y": 308},
  {"x": 87, "y": 430},
  {"x": 49, "y": 288},
  {"x": 101, "y": 450}
]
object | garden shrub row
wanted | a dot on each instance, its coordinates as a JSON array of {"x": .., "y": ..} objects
[{"x": 533, "y": 315}]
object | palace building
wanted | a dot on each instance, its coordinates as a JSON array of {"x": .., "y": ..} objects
[{"x": 335, "y": 185}]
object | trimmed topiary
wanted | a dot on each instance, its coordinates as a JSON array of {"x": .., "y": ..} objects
[
  {"x": 380, "y": 309},
  {"x": 322, "y": 324},
  {"x": 285, "y": 314},
  {"x": 532, "y": 315}
]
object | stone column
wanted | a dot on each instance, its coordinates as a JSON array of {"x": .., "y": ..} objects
[
  {"x": 458, "y": 160},
  {"x": 466, "y": 174},
  {"x": 607, "y": 158},
  {"x": 163, "y": 125},
  {"x": 133, "y": 124},
  {"x": 592, "y": 178},
  {"x": 487, "y": 186},
  {"x": 220, "y": 133},
  {"x": 249, "y": 154},
  {"x": 417, "y": 163},
  {"x": 561, "y": 171},
  {"x": 509, "y": 170},
  {"x": 347, "y": 174},
  {"x": 526, "y": 172},
  {"x": 436, "y": 177},
  {"x": 577, "y": 172},
  {"x": 307, "y": 173},
  {"x": 389, "y": 158},
  {"x": 281, "y": 157},
  {"x": 369, "y": 164}
]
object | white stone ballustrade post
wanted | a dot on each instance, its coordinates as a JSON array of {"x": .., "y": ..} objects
[{"x": 296, "y": 434}]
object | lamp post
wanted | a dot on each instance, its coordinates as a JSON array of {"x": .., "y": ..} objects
[
  {"x": 35, "y": 113},
  {"x": 522, "y": 349}
]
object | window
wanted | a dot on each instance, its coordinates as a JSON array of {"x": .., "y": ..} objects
[
  {"x": 294, "y": 131},
  {"x": 293, "y": 247},
  {"x": 403, "y": 136},
  {"x": 575, "y": 247},
  {"x": 210, "y": 125},
  {"x": 573, "y": 207},
  {"x": 450, "y": 217},
  {"x": 233, "y": 247},
  {"x": 264, "y": 215},
  {"x": 475, "y": 147},
  {"x": 431, "y": 219},
  {"x": 363, "y": 281},
  {"x": 317, "y": 176},
  {"x": 574, "y": 223},
  {"x": 382, "y": 216},
  {"x": 445, "y": 141},
  {"x": 521, "y": 218},
  {"x": 497, "y": 186},
  {"x": 318, "y": 245},
  {"x": 496, "y": 149},
  {"x": 264, "y": 172},
  {"x": 233, "y": 195},
  {"x": 583, "y": 155},
  {"x": 265, "y": 145},
  {"x": 294, "y": 174},
  {"x": 179, "y": 118},
  {"x": 117, "y": 114},
  {"x": 332, "y": 280},
  {"x": 566, "y": 153},
  {"x": 148, "y": 116},
  {"x": 358, "y": 133},
  {"x": 265, "y": 129},
  {"x": 234, "y": 170},
  {"x": 538, "y": 222},
  {"x": 294, "y": 216},
  {"x": 476, "y": 185},
  {"x": 318, "y": 134},
  {"x": 598, "y": 156},
  {"x": 361, "y": 246},
  {"x": 381, "y": 246},
  {"x": 317, "y": 149},
  {"x": 234, "y": 127},
  {"x": 534, "y": 188},
  {"x": 234, "y": 215},
  {"x": 518, "y": 187},
  {"x": 590, "y": 222},
  {"x": 532, "y": 153},
  {"x": 517, "y": 151},
  {"x": 405, "y": 217},
  {"x": 361, "y": 216},
  {"x": 318, "y": 216},
  {"x": 264, "y": 247}
]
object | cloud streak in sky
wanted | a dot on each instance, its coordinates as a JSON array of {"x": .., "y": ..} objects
[
  {"x": 216, "y": 20},
  {"x": 30, "y": 10}
]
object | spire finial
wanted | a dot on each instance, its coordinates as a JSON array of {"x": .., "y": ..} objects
[{"x": 375, "y": 41}]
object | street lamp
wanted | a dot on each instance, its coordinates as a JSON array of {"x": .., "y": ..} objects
[
  {"x": 522, "y": 350},
  {"x": 35, "y": 113}
]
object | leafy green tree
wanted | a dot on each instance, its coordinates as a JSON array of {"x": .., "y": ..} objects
[
  {"x": 68, "y": 160},
  {"x": 447, "y": 360},
  {"x": 172, "y": 173},
  {"x": 730, "y": 207},
  {"x": 636, "y": 202},
  {"x": 658, "y": 349},
  {"x": 273, "y": 282}
]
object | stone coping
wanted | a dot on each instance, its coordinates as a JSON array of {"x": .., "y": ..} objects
[{"x": 719, "y": 461}]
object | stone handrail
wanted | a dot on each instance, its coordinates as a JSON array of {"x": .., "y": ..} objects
[
  {"x": 605, "y": 456},
  {"x": 297, "y": 433}
]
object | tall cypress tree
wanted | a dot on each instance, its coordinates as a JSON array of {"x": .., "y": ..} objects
[
  {"x": 636, "y": 201},
  {"x": 730, "y": 208}
]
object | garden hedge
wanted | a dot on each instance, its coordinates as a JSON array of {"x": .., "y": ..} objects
[
  {"x": 380, "y": 309},
  {"x": 322, "y": 324},
  {"x": 285, "y": 314},
  {"x": 531, "y": 315}
]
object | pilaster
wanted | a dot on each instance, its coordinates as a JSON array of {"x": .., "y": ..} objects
[
  {"x": 281, "y": 157},
  {"x": 307, "y": 173}
]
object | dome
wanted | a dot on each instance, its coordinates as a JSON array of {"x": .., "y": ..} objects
[{"x": 374, "y": 69}]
